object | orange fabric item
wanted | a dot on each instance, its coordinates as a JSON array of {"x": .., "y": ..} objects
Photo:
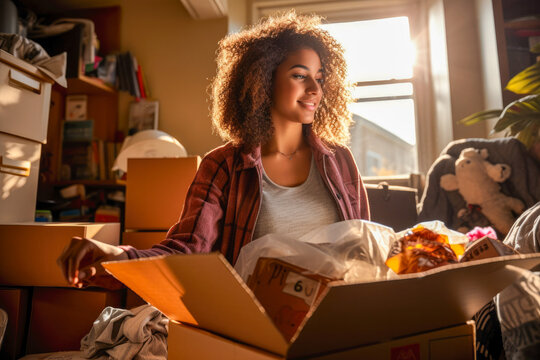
[{"x": 421, "y": 249}]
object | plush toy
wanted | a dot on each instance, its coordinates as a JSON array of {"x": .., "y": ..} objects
[{"x": 477, "y": 181}]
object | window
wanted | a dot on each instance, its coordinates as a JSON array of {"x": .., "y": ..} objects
[
  {"x": 380, "y": 58},
  {"x": 386, "y": 54}
]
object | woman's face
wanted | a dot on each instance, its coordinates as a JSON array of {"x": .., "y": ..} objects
[{"x": 297, "y": 87}]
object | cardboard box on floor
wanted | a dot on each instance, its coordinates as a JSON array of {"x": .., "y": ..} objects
[
  {"x": 28, "y": 251},
  {"x": 205, "y": 291},
  {"x": 61, "y": 317},
  {"x": 156, "y": 189},
  {"x": 14, "y": 302},
  {"x": 456, "y": 342}
]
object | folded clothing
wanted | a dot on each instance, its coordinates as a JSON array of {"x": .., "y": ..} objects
[{"x": 139, "y": 333}]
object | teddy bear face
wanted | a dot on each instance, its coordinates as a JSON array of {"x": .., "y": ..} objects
[{"x": 470, "y": 164}]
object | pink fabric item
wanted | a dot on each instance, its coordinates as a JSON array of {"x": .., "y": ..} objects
[{"x": 480, "y": 232}]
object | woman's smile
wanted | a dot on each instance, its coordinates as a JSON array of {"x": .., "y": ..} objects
[{"x": 308, "y": 104}]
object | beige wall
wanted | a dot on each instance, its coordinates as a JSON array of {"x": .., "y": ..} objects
[
  {"x": 177, "y": 56},
  {"x": 457, "y": 69}
]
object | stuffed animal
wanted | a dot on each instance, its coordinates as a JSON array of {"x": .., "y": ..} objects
[{"x": 477, "y": 180}]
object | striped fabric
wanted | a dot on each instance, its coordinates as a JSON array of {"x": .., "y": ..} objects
[
  {"x": 223, "y": 201},
  {"x": 489, "y": 344}
]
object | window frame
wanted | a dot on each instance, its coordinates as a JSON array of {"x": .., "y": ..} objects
[{"x": 357, "y": 10}]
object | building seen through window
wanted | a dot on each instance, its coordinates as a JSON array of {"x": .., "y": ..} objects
[{"x": 380, "y": 57}]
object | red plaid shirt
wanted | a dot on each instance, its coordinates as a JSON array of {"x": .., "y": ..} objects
[{"x": 223, "y": 201}]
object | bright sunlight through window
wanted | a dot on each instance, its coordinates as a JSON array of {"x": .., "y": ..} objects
[{"x": 380, "y": 57}]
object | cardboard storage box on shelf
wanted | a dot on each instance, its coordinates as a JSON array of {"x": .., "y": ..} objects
[
  {"x": 156, "y": 189},
  {"x": 25, "y": 94},
  {"x": 30, "y": 91},
  {"x": 61, "y": 317},
  {"x": 456, "y": 342},
  {"x": 14, "y": 301},
  {"x": 205, "y": 291},
  {"x": 28, "y": 251}
]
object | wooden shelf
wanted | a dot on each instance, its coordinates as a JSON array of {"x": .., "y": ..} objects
[
  {"x": 88, "y": 85},
  {"x": 96, "y": 183}
]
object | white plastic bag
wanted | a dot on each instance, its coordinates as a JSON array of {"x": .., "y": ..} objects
[{"x": 352, "y": 250}]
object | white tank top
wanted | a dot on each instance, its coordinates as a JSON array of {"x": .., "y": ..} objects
[{"x": 296, "y": 210}]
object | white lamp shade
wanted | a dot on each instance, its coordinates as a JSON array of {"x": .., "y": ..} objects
[{"x": 148, "y": 144}]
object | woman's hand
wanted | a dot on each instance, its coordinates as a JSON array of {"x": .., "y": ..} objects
[{"x": 81, "y": 263}]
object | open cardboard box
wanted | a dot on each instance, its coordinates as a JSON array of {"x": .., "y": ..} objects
[{"x": 204, "y": 290}]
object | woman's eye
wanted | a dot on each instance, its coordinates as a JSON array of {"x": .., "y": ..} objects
[
  {"x": 298, "y": 76},
  {"x": 320, "y": 81}
]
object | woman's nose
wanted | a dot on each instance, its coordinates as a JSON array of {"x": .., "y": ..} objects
[{"x": 313, "y": 86}]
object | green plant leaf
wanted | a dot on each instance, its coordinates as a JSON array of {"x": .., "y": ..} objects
[
  {"x": 480, "y": 116},
  {"x": 527, "y": 81},
  {"x": 527, "y": 104},
  {"x": 529, "y": 135},
  {"x": 508, "y": 122},
  {"x": 522, "y": 125},
  {"x": 519, "y": 115}
]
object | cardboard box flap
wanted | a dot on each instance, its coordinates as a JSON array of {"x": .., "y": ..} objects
[
  {"x": 207, "y": 285},
  {"x": 151, "y": 279},
  {"x": 358, "y": 314}
]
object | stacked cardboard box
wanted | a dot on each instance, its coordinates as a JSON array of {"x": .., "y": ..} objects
[
  {"x": 26, "y": 98},
  {"x": 58, "y": 316},
  {"x": 156, "y": 189},
  {"x": 61, "y": 317},
  {"x": 28, "y": 251},
  {"x": 14, "y": 301}
]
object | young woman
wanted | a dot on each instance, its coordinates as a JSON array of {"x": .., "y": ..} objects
[{"x": 280, "y": 100}]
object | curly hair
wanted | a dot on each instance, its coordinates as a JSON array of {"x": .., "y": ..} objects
[{"x": 241, "y": 91}]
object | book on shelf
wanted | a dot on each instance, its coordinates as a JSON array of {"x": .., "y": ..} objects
[
  {"x": 107, "y": 213},
  {"x": 78, "y": 131},
  {"x": 133, "y": 79},
  {"x": 130, "y": 76},
  {"x": 78, "y": 161},
  {"x": 110, "y": 157},
  {"x": 102, "y": 164}
]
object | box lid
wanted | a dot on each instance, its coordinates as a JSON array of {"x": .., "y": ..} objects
[
  {"x": 204, "y": 290},
  {"x": 206, "y": 284}
]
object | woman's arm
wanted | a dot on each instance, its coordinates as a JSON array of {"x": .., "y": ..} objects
[{"x": 197, "y": 230}]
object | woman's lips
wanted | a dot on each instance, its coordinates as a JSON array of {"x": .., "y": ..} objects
[{"x": 310, "y": 105}]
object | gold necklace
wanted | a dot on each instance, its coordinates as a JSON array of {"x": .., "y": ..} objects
[{"x": 288, "y": 156}]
